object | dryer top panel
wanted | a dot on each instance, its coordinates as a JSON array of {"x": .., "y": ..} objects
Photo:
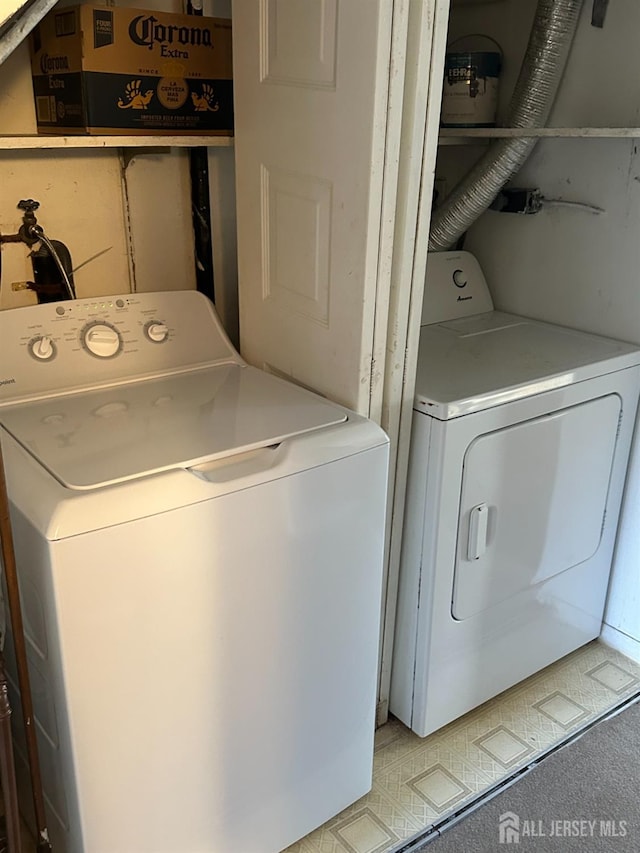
[{"x": 493, "y": 358}]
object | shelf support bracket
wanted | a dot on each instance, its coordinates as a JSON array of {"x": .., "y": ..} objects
[{"x": 599, "y": 12}]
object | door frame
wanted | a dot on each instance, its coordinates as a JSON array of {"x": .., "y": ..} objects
[{"x": 424, "y": 49}]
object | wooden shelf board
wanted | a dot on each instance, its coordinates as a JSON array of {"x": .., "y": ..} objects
[
  {"x": 17, "y": 143},
  {"x": 468, "y": 135}
]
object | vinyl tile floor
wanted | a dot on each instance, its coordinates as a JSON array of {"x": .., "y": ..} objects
[{"x": 419, "y": 781}]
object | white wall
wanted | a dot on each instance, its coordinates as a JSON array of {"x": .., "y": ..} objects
[
  {"x": 566, "y": 265},
  {"x": 80, "y": 195},
  {"x": 132, "y": 212}
]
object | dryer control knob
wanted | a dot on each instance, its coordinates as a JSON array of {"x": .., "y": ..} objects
[
  {"x": 101, "y": 340},
  {"x": 42, "y": 348},
  {"x": 156, "y": 331}
]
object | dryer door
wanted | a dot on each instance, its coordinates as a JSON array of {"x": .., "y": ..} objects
[{"x": 533, "y": 502}]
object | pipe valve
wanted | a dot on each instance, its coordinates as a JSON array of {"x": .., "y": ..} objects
[{"x": 29, "y": 231}]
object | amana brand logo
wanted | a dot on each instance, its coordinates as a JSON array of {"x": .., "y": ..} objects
[
  {"x": 7, "y": 382},
  {"x": 147, "y": 31},
  {"x": 51, "y": 64}
]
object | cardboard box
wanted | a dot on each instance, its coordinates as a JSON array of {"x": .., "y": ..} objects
[{"x": 110, "y": 70}]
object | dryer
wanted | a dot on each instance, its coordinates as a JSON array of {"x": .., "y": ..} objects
[
  {"x": 520, "y": 440},
  {"x": 199, "y": 547}
]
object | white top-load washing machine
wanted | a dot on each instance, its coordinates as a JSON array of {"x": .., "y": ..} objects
[
  {"x": 199, "y": 547},
  {"x": 520, "y": 438}
]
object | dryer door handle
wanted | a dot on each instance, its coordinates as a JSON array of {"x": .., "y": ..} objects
[{"x": 478, "y": 528}]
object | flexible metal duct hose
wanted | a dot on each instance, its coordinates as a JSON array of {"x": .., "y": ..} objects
[{"x": 551, "y": 36}]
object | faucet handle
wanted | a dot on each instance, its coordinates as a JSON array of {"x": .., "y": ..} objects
[
  {"x": 29, "y": 205},
  {"x": 29, "y": 231}
]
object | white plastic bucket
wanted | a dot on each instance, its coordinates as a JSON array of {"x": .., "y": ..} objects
[{"x": 470, "y": 92}]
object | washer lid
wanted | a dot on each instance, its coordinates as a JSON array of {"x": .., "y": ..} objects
[
  {"x": 489, "y": 359},
  {"x": 99, "y": 438}
]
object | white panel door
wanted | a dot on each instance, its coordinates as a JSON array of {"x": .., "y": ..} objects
[{"x": 311, "y": 83}]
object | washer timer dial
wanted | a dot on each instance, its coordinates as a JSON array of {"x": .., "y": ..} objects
[{"x": 101, "y": 340}]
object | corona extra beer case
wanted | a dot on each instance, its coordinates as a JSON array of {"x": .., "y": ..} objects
[{"x": 110, "y": 70}]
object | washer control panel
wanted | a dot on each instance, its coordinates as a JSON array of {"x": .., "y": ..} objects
[{"x": 56, "y": 348}]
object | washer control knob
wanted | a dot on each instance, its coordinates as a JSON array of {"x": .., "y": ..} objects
[
  {"x": 101, "y": 340},
  {"x": 156, "y": 331},
  {"x": 42, "y": 348}
]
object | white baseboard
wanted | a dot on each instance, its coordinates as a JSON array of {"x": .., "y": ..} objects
[{"x": 622, "y": 643}]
